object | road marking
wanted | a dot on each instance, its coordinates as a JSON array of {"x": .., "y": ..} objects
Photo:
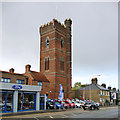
[
  {"x": 65, "y": 116},
  {"x": 36, "y": 118},
  {"x": 51, "y": 117}
]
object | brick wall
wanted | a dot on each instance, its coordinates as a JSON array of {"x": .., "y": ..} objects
[{"x": 55, "y": 75}]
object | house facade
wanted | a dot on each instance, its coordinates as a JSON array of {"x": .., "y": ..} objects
[
  {"x": 15, "y": 93},
  {"x": 94, "y": 91}
]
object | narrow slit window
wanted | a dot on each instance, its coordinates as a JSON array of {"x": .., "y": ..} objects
[
  {"x": 47, "y": 42},
  {"x": 47, "y": 63},
  {"x": 61, "y": 43}
]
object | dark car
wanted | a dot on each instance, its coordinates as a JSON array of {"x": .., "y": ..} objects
[
  {"x": 90, "y": 106},
  {"x": 50, "y": 104}
]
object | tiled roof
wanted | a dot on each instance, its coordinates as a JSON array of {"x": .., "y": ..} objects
[
  {"x": 97, "y": 85},
  {"x": 101, "y": 87},
  {"x": 12, "y": 73},
  {"x": 39, "y": 76}
]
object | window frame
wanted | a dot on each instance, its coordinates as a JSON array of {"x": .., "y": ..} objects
[
  {"x": 47, "y": 63},
  {"x": 5, "y": 80},
  {"x": 61, "y": 42},
  {"x": 62, "y": 63},
  {"x": 47, "y": 42},
  {"x": 40, "y": 84},
  {"x": 18, "y": 81}
]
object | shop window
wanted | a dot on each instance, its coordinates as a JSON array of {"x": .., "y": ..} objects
[
  {"x": 9, "y": 105},
  {"x": 40, "y": 84},
  {"x": 47, "y": 42},
  {"x": 6, "y": 80},
  {"x": 6, "y": 102},
  {"x": 20, "y": 81},
  {"x": 46, "y": 63},
  {"x": 26, "y": 101}
]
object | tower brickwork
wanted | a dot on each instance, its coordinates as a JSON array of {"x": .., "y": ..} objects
[{"x": 55, "y": 56}]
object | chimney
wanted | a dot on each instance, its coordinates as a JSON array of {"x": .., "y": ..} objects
[
  {"x": 27, "y": 68},
  {"x": 114, "y": 89},
  {"x": 94, "y": 80},
  {"x": 109, "y": 88},
  {"x": 103, "y": 85},
  {"x": 11, "y": 70}
]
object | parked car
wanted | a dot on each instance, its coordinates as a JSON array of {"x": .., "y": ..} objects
[
  {"x": 8, "y": 108},
  {"x": 50, "y": 104},
  {"x": 77, "y": 104},
  {"x": 58, "y": 105},
  {"x": 71, "y": 105},
  {"x": 90, "y": 106},
  {"x": 82, "y": 102},
  {"x": 66, "y": 105}
]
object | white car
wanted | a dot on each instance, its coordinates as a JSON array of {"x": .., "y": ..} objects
[{"x": 77, "y": 104}]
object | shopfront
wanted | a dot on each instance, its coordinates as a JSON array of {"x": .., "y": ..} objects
[
  {"x": 16, "y": 97},
  {"x": 6, "y": 101}
]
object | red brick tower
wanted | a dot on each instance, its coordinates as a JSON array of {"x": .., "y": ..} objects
[{"x": 55, "y": 56}]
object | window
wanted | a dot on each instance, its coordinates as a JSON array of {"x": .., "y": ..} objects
[
  {"x": 62, "y": 63},
  {"x": 106, "y": 93},
  {"x": 101, "y": 92},
  {"x": 6, "y": 80},
  {"x": 40, "y": 84},
  {"x": 26, "y": 81},
  {"x": 46, "y": 63},
  {"x": 20, "y": 81},
  {"x": 61, "y": 42},
  {"x": 47, "y": 42},
  {"x": 26, "y": 101}
]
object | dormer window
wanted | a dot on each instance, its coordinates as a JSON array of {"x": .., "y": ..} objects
[
  {"x": 47, "y": 42},
  {"x": 61, "y": 42}
]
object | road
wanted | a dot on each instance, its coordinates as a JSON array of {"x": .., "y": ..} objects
[{"x": 105, "y": 112}]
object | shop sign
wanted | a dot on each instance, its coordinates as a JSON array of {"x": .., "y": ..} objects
[{"x": 17, "y": 87}]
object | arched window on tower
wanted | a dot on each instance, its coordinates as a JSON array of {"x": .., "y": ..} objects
[
  {"x": 47, "y": 42},
  {"x": 62, "y": 63},
  {"x": 62, "y": 42},
  {"x": 46, "y": 63}
]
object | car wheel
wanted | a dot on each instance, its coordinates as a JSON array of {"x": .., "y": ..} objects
[
  {"x": 91, "y": 108},
  {"x": 98, "y": 108}
]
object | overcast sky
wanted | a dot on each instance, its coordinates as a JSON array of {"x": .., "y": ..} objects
[{"x": 94, "y": 37}]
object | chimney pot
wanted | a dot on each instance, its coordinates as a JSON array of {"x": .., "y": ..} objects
[
  {"x": 11, "y": 70},
  {"x": 94, "y": 80},
  {"x": 27, "y": 67},
  {"x": 114, "y": 89},
  {"x": 103, "y": 85},
  {"x": 109, "y": 88}
]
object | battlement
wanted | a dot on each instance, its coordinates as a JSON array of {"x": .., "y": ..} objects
[{"x": 56, "y": 24}]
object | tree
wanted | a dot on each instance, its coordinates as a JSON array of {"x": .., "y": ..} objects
[{"x": 77, "y": 85}]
